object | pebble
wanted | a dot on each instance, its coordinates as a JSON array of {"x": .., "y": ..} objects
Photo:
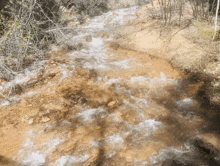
[
  {"x": 111, "y": 104},
  {"x": 31, "y": 121},
  {"x": 45, "y": 119}
]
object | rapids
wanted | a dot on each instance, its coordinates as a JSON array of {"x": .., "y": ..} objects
[{"x": 102, "y": 106}]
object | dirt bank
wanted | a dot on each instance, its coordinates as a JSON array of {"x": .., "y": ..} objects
[{"x": 189, "y": 48}]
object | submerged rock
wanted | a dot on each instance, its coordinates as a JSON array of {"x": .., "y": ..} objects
[{"x": 208, "y": 146}]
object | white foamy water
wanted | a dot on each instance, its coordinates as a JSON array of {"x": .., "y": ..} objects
[
  {"x": 71, "y": 160},
  {"x": 116, "y": 140},
  {"x": 26, "y": 76},
  {"x": 95, "y": 56},
  {"x": 31, "y": 94},
  {"x": 51, "y": 145},
  {"x": 90, "y": 115},
  {"x": 34, "y": 159},
  {"x": 9, "y": 101},
  {"x": 162, "y": 81},
  {"x": 171, "y": 153},
  {"x": 122, "y": 64},
  {"x": 36, "y": 155},
  {"x": 137, "y": 131},
  {"x": 151, "y": 82},
  {"x": 149, "y": 126},
  {"x": 140, "y": 80},
  {"x": 185, "y": 104},
  {"x": 111, "y": 19},
  {"x": 4, "y": 103},
  {"x": 112, "y": 81},
  {"x": 28, "y": 143}
]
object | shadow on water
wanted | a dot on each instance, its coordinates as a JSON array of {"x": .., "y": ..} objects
[
  {"x": 201, "y": 107},
  {"x": 178, "y": 127},
  {"x": 181, "y": 130},
  {"x": 101, "y": 152},
  {"x": 210, "y": 113}
]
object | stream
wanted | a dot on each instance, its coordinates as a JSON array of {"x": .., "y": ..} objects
[{"x": 103, "y": 105}]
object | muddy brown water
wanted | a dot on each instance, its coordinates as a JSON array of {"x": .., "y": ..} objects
[{"x": 105, "y": 106}]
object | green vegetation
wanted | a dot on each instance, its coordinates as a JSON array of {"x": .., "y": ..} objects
[{"x": 206, "y": 34}]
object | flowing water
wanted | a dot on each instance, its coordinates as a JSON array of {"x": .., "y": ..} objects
[{"x": 102, "y": 106}]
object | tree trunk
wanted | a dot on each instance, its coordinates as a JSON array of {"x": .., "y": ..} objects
[{"x": 216, "y": 19}]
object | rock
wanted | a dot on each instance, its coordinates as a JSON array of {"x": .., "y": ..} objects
[
  {"x": 89, "y": 38},
  {"x": 31, "y": 121},
  {"x": 83, "y": 72},
  {"x": 51, "y": 74},
  {"x": 23, "y": 102},
  {"x": 51, "y": 62},
  {"x": 171, "y": 162},
  {"x": 112, "y": 104},
  {"x": 40, "y": 113},
  {"x": 24, "y": 118},
  {"x": 79, "y": 46},
  {"x": 73, "y": 24},
  {"x": 105, "y": 35},
  {"x": 54, "y": 72},
  {"x": 114, "y": 45},
  {"x": 208, "y": 144},
  {"x": 88, "y": 21},
  {"x": 18, "y": 89},
  {"x": 211, "y": 139},
  {"x": 185, "y": 104},
  {"x": 2, "y": 82},
  {"x": 51, "y": 107},
  {"x": 45, "y": 119}
]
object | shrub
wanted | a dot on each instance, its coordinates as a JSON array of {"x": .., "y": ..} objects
[
  {"x": 88, "y": 7},
  {"x": 24, "y": 33},
  {"x": 170, "y": 11},
  {"x": 201, "y": 9},
  {"x": 167, "y": 10}
]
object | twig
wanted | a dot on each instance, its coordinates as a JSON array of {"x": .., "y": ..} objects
[
  {"x": 169, "y": 40},
  {"x": 7, "y": 69},
  {"x": 2, "y": 95}
]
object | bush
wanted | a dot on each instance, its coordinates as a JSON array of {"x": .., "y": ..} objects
[
  {"x": 167, "y": 10},
  {"x": 201, "y": 9},
  {"x": 170, "y": 11},
  {"x": 24, "y": 33},
  {"x": 88, "y": 7}
]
